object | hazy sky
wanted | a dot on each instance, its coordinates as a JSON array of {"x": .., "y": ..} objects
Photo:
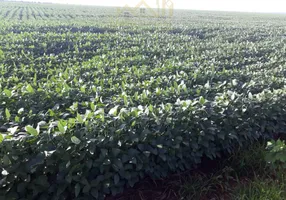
[{"x": 225, "y": 5}]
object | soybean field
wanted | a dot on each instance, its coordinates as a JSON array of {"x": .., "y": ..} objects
[{"x": 92, "y": 101}]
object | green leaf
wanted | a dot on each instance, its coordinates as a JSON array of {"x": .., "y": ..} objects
[
  {"x": 163, "y": 157},
  {"x": 42, "y": 180},
  {"x": 61, "y": 188},
  {"x": 115, "y": 152},
  {"x": 207, "y": 85},
  {"x": 61, "y": 127},
  {"x": 36, "y": 161},
  {"x": 116, "y": 179},
  {"x": 113, "y": 111},
  {"x": 72, "y": 121},
  {"x": 77, "y": 189},
  {"x": 30, "y": 89},
  {"x": 133, "y": 152},
  {"x": 234, "y": 82},
  {"x": 8, "y": 93},
  {"x": 75, "y": 140},
  {"x": 114, "y": 191},
  {"x": 6, "y": 160},
  {"x": 17, "y": 119},
  {"x": 21, "y": 187},
  {"x": 176, "y": 85},
  {"x": 125, "y": 100},
  {"x": 82, "y": 89},
  {"x": 104, "y": 152},
  {"x": 202, "y": 100},
  {"x": 1, "y": 54},
  {"x": 133, "y": 160},
  {"x": 118, "y": 165},
  {"x": 147, "y": 153},
  {"x": 7, "y": 112},
  {"x": 131, "y": 182},
  {"x": 79, "y": 118},
  {"x": 31, "y": 130},
  {"x": 1, "y": 138},
  {"x": 92, "y": 106},
  {"x": 86, "y": 189},
  {"x": 94, "y": 193},
  {"x": 13, "y": 130}
]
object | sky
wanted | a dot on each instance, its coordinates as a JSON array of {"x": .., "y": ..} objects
[{"x": 220, "y": 5}]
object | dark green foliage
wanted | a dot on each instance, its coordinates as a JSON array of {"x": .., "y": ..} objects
[{"x": 276, "y": 156}]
